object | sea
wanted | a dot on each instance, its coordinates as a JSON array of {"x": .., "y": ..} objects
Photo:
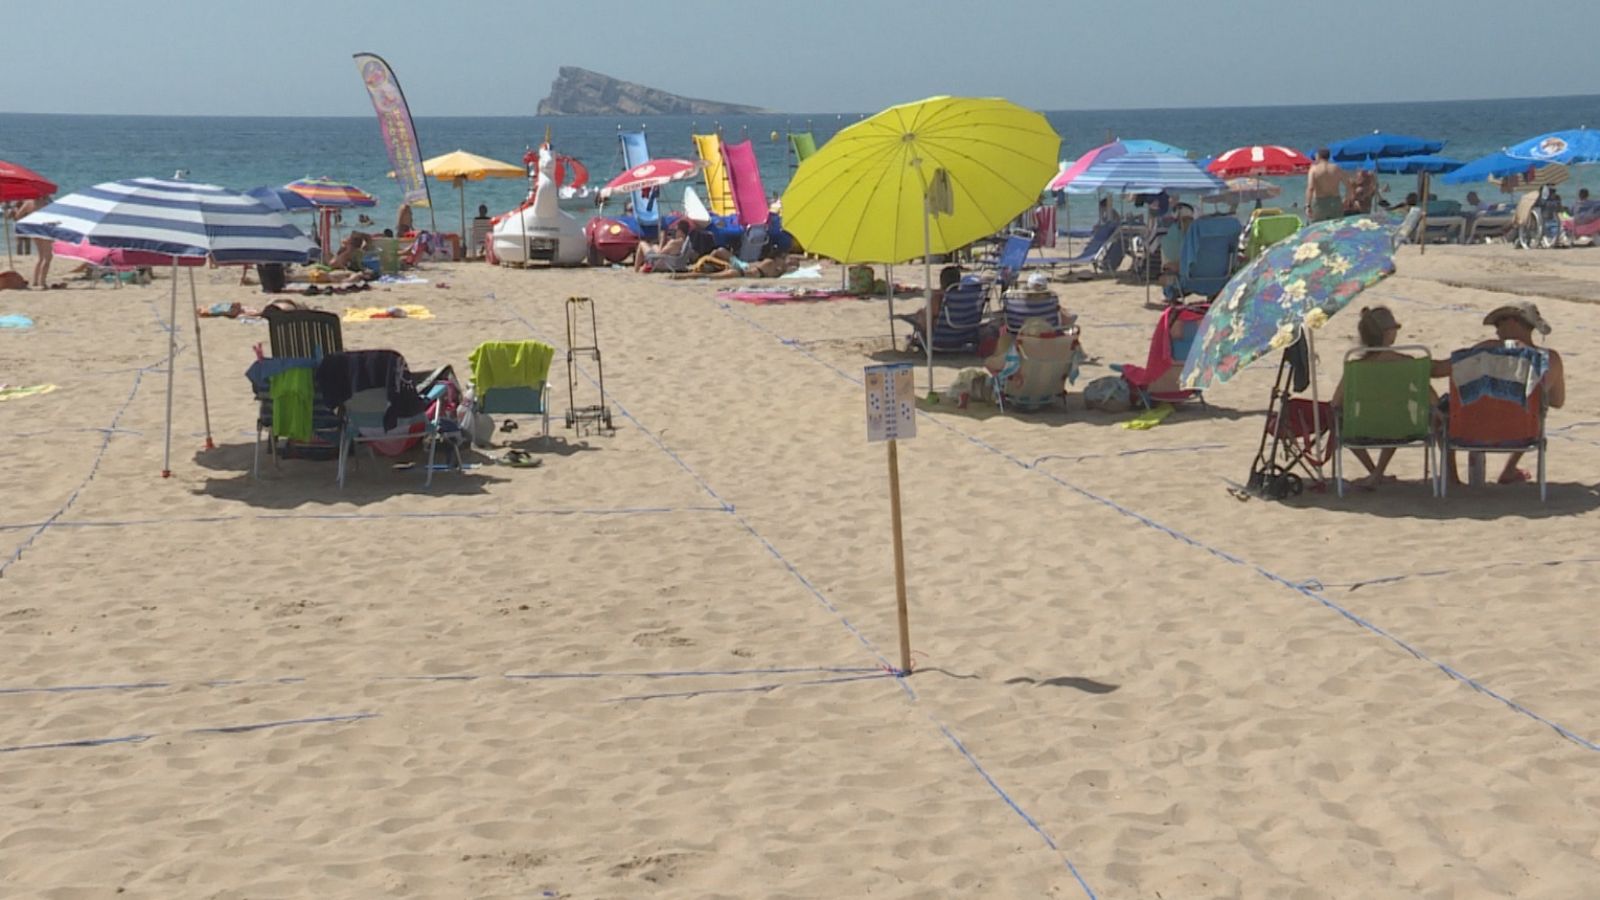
[{"x": 241, "y": 152}]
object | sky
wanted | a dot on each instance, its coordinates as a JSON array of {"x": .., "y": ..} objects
[{"x": 472, "y": 58}]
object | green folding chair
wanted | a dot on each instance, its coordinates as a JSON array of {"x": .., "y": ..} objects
[
  {"x": 1268, "y": 230},
  {"x": 1386, "y": 406}
]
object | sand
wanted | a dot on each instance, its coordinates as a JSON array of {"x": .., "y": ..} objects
[{"x": 1131, "y": 683}]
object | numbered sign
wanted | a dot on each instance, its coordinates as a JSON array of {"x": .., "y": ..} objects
[{"x": 891, "y": 402}]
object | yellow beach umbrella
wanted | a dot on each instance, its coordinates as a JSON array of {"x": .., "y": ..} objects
[
  {"x": 460, "y": 167},
  {"x": 919, "y": 179}
]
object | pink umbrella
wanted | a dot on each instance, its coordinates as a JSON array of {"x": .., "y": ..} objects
[
  {"x": 118, "y": 258},
  {"x": 650, "y": 174},
  {"x": 1269, "y": 159}
]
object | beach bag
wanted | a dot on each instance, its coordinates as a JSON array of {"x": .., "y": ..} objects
[{"x": 1109, "y": 393}]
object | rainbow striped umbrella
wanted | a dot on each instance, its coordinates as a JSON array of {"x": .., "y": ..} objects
[{"x": 330, "y": 193}]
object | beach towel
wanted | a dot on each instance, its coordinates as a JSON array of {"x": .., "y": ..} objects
[
  {"x": 16, "y": 321},
  {"x": 402, "y": 279},
  {"x": 291, "y": 404},
  {"x": 802, "y": 273},
  {"x": 509, "y": 364},
  {"x": 1511, "y": 372},
  {"x": 781, "y": 295},
  {"x": 1149, "y": 419},
  {"x": 17, "y": 392},
  {"x": 403, "y": 311}
]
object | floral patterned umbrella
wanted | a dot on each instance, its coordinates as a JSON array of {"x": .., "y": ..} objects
[{"x": 1299, "y": 282}]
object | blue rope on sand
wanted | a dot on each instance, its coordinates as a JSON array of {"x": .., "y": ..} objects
[
  {"x": 382, "y": 516},
  {"x": 219, "y": 729},
  {"x": 756, "y": 689},
  {"x": 1299, "y": 588}
]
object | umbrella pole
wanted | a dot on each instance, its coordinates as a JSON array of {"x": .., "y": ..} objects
[
  {"x": 927, "y": 289},
  {"x": 1422, "y": 224},
  {"x": 9, "y": 263},
  {"x": 200, "y": 354},
  {"x": 1316, "y": 404},
  {"x": 461, "y": 189},
  {"x": 172, "y": 352}
]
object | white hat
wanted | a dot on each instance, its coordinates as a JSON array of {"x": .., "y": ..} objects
[{"x": 1038, "y": 281}]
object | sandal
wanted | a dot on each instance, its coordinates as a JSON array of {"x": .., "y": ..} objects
[
  {"x": 521, "y": 459},
  {"x": 508, "y": 425}
]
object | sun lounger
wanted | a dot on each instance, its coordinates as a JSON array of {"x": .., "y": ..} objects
[
  {"x": 1093, "y": 254},
  {"x": 1494, "y": 222},
  {"x": 1386, "y": 405}
]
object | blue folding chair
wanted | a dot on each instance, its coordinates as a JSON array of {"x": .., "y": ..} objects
[
  {"x": 1210, "y": 250},
  {"x": 960, "y": 319}
]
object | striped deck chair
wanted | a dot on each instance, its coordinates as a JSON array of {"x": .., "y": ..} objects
[
  {"x": 959, "y": 321},
  {"x": 1020, "y": 306},
  {"x": 719, "y": 195},
  {"x": 300, "y": 336},
  {"x": 1498, "y": 403},
  {"x": 636, "y": 152}
]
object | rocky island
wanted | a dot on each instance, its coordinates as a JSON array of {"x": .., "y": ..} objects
[{"x": 580, "y": 92}]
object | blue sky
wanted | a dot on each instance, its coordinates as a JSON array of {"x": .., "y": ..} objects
[{"x": 466, "y": 57}]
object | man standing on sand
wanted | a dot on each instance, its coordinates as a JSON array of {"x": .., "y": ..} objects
[{"x": 1323, "y": 184}]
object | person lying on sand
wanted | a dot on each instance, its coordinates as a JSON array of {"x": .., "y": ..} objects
[{"x": 719, "y": 263}]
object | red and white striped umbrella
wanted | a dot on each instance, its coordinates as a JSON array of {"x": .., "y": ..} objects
[
  {"x": 1269, "y": 159},
  {"x": 651, "y": 173}
]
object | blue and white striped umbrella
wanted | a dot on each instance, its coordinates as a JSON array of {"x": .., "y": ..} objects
[
  {"x": 172, "y": 218},
  {"x": 1147, "y": 173}
]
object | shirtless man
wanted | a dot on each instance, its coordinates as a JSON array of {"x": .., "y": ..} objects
[{"x": 1323, "y": 184}]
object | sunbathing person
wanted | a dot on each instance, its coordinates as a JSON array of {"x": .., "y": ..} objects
[
  {"x": 719, "y": 263},
  {"x": 350, "y": 252},
  {"x": 1377, "y": 329}
]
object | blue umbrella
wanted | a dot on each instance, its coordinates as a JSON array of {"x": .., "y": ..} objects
[
  {"x": 281, "y": 199},
  {"x": 177, "y": 219},
  {"x": 1146, "y": 173},
  {"x": 1378, "y": 145},
  {"x": 1406, "y": 165},
  {"x": 1489, "y": 168},
  {"x": 1565, "y": 147}
]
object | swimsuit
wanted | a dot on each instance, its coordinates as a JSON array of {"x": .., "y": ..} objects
[{"x": 1326, "y": 208}]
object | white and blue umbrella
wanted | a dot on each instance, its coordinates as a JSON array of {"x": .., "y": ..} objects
[
  {"x": 1147, "y": 173},
  {"x": 1569, "y": 148},
  {"x": 179, "y": 220}
]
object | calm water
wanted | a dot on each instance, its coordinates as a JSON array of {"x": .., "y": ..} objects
[{"x": 78, "y": 151}]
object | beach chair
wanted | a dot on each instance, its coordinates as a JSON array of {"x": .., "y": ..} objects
[
  {"x": 1210, "y": 249},
  {"x": 753, "y": 243},
  {"x": 957, "y": 327},
  {"x": 1497, "y": 404},
  {"x": 682, "y": 261},
  {"x": 383, "y": 406},
  {"x": 308, "y": 333},
  {"x": 512, "y": 378},
  {"x": 1093, "y": 254},
  {"x": 1156, "y": 381},
  {"x": 1445, "y": 222},
  {"x": 1020, "y": 306},
  {"x": 1268, "y": 230},
  {"x": 1031, "y": 372},
  {"x": 1386, "y": 405},
  {"x": 1491, "y": 222}
]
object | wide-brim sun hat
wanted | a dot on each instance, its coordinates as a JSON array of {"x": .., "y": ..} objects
[{"x": 1527, "y": 311}]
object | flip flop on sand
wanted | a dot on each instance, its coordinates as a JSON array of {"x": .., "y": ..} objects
[{"x": 521, "y": 459}]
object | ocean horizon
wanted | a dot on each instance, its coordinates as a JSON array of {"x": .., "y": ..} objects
[{"x": 77, "y": 150}]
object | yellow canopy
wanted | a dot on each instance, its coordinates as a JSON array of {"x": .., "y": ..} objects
[
  {"x": 470, "y": 166},
  {"x": 861, "y": 197}
]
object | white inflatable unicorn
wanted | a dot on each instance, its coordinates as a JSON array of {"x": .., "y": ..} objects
[{"x": 539, "y": 229}]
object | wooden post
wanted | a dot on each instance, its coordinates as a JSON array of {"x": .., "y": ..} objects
[{"x": 902, "y": 616}]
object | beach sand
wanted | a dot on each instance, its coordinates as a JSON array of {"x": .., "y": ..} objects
[{"x": 1131, "y": 683}]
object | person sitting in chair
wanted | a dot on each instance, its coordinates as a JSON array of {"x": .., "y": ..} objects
[
  {"x": 1515, "y": 323},
  {"x": 1172, "y": 253},
  {"x": 670, "y": 246},
  {"x": 1377, "y": 329}
]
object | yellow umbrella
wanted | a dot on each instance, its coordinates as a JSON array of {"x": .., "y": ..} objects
[
  {"x": 461, "y": 167},
  {"x": 919, "y": 179}
]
